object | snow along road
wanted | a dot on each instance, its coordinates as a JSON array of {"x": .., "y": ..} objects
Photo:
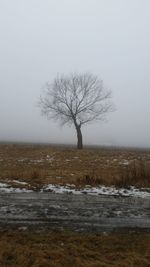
[{"x": 81, "y": 213}]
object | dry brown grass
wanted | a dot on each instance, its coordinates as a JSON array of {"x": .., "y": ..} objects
[
  {"x": 28, "y": 249},
  {"x": 136, "y": 173},
  {"x": 41, "y": 164}
]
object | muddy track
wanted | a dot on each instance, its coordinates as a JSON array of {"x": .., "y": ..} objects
[{"x": 73, "y": 212}]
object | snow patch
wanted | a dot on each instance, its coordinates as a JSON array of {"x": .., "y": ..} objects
[
  {"x": 36, "y": 161},
  {"x": 2, "y": 185},
  {"x": 49, "y": 158},
  {"x": 71, "y": 189},
  {"x": 6, "y": 188},
  {"x": 22, "y": 160},
  {"x": 125, "y": 162},
  {"x": 100, "y": 190},
  {"x": 19, "y": 182}
]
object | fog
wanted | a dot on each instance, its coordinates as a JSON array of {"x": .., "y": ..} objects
[{"x": 109, "y": 38}]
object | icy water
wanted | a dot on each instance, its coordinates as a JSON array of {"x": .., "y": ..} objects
[{"x": 81, "y": 212}]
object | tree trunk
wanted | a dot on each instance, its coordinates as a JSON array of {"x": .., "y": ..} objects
[{"x": 79, "y": 137}]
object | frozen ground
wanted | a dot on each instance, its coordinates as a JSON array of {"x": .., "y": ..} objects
[
  {"x": 88, "y": 209},
  {"x": 13, "y": 186},
  {"x": 82, "y": 212}
]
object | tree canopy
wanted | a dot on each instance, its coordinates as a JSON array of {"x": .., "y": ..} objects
[{"x": 76, "y": 99}]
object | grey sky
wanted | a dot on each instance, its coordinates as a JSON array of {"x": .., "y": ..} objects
[{"x": 110, "y": 38}]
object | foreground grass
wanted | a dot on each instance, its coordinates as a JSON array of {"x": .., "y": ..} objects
[
  {"x": 41, "y": 164},
  {"x": 29, "y": 249}
]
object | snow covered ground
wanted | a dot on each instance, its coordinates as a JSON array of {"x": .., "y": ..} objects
[
  {"x": 99, "y": 190},
  {"x": 71, "y": 189},
  {"x": 6, "y": 188}
]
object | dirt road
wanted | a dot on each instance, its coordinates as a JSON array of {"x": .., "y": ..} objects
[{"x": 74, "y": 212}]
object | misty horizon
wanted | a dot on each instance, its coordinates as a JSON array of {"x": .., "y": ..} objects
[{"x": 41, "y": 39}]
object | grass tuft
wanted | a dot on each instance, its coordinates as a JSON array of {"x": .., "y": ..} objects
[{"x": 137, "y": 173}]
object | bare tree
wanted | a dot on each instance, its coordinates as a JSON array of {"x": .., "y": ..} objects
[{"x": 76, "y": 99}]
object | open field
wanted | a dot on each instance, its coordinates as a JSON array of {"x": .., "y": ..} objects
[
  {"x": 51, "y": 249},
  {"x": 39, "y": 165}
]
